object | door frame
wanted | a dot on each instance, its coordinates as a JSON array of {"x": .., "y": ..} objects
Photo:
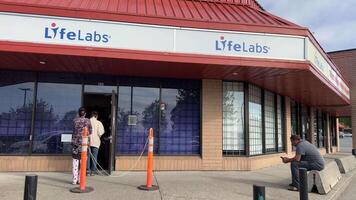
[{"x": 114, "y": 99}]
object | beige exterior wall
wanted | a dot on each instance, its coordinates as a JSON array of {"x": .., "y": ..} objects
[
  {"x": 337, "y": 135},
  {"x": 288, "y": 124},
  {"x": 212, "y": 124},
  {"x": 35, "y": 163}
]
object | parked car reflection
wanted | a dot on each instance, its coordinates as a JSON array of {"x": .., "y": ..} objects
[{"x": 49, "y": 142}]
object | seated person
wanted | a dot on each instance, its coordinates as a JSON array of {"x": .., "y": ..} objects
[{"x": 306, "y": 156}]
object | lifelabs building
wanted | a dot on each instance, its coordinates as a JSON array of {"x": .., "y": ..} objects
[{"x": 222, "y": 82}]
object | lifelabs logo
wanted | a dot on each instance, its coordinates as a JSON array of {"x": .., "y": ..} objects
[
  {"x": 56, "y": 32},
  {"x": 229, "y": 45}
]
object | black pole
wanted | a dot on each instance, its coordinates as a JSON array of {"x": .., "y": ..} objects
[
  {"x": 30, "y": 187},
  {"x": 258, "y": 192},
  {"x": 303, "y": 184}
]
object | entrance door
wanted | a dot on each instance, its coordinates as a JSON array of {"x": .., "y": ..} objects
[{"x": 105, "y": 104}]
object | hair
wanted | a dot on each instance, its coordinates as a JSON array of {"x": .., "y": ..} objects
[
  {"x": 94, "y": 114},
  {"x": 82, "y": 111},
  {"x": 295, "y": 137}
]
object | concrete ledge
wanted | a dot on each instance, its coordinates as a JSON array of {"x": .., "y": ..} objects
[
  {"x": 324, "y": 180},
  {"x": 345, "y": 163}
]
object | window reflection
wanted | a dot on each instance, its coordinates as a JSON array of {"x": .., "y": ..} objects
[
  {"x": 255, "y": 122},
  {"x": 270, "y": 127},
  {"x": 56, "y": 107},
  {"x": 15, "y": 111},
  {"x": 145, "y": 105},
  {"x": 233, "y": 119},
  {"x": 173, "y": 113},
  {"x": 281, "y": 135},
  {"x": 180, "y": 121}
]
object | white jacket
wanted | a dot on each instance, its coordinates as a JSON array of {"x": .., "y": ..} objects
[{"x": 97, "y": 132}]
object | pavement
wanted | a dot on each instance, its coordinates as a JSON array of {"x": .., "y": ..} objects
[{"x": 178, "y": 185}]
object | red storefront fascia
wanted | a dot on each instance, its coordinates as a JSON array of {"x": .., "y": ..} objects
[{"x": 301, "y": 79}]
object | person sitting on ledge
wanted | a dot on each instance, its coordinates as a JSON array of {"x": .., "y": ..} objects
[{"x": 306, "y": 156}]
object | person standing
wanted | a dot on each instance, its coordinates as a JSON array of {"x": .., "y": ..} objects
[
  {"x": 306, "y": 156},
  {"x": 79, "y": 123},
  {"x": 98, "y": 131}
]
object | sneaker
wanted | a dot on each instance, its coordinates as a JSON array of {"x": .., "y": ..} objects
[{"x": 292, "y": 188}]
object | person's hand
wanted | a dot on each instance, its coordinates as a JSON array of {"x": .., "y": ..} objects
[{"x": 284, "y": 159}]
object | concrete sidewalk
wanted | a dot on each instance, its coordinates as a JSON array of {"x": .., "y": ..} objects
[{"x": 211, "y": 185}]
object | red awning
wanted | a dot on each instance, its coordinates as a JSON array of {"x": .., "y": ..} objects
[{"x": 241, "y": 15}]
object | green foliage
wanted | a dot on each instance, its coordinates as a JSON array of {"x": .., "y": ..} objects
[{"x": 346, "y": 121}]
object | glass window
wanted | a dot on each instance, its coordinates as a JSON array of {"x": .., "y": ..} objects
[
  {"x": 294, "y": 117},
  {"x": 255, "y": 120},
  {"x": 233, "y": 118},
  {"x": 180, "y": 122},
  {"x": 333, "y": 130},
  {"x": 16, "y": 102},
  {"x": 173, "y": 111},
  {"x": 270, "y": 123},
  {"x": 281, "y": 134},
  {"x": 305, "y": 121},
  {"x": 321, "y": 129},
  {"x": 56, "y": 107},
  {"x": 134, "y": 121}
]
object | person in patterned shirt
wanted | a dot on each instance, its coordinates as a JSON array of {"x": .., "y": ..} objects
[{"x": 79, "y": 123}]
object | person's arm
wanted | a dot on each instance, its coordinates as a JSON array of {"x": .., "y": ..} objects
[
  {"x": 101, "y": 129},
  {"x": 297, "y": 157}
]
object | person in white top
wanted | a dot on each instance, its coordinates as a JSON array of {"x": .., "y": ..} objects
[{"x": 97, "y": 132}]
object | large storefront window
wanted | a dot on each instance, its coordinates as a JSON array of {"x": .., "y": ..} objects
[
  {"x": 173, "y": 112},
  {"x": 56, "y": 107},
  {"x": 233, "y": 119},
  {"x": 180, "y": 122},
  {"x": 16, "y": 104},
  {"x": 264, "y": 125},
  {"x": 255, "y": 120},
  {"x": 270, "y": 123}
]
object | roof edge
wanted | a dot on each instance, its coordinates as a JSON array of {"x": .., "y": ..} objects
[{"x": 339, "y": 51}]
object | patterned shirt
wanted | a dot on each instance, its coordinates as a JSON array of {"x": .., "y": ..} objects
[{"x": 78, "y": 124}]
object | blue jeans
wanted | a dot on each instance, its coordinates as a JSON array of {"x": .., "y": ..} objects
[
  {"x": 91, "y": 164},
  {"x": 294, "y": 167}
]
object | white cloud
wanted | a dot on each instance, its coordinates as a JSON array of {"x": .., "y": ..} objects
[{"x": 332, "y": 22}]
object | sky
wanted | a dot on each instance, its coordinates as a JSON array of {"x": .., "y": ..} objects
[{"x": 332, "y": 22}]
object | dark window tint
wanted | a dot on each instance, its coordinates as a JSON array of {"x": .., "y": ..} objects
[
  {"x": 57, "y": 105},
  {"x": 135, "y": 120},
  {"x": 16, "y": 101},
  {"x": 180, "y": 121},
  {"x": 173, "y": 113}
]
